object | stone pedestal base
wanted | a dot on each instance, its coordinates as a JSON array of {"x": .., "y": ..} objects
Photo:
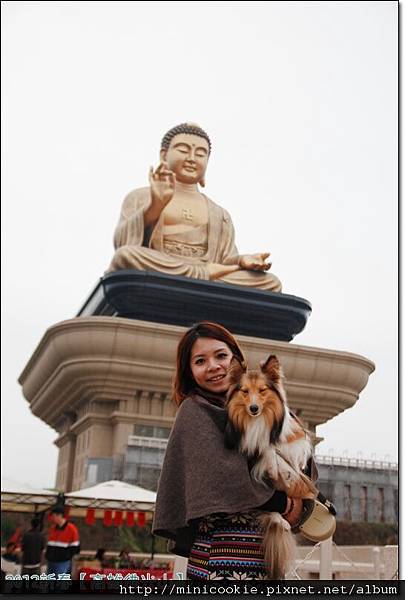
[
  {"x": 93, "y": 378},
  {"x": 183, "y": 301}
]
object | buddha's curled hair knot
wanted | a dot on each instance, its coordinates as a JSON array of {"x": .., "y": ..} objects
[{"x": 191, "y": 128}]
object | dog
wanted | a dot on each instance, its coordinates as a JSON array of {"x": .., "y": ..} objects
[{"x": 261, "y": 425}]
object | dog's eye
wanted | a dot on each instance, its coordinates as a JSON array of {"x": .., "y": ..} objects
[
  {"x": 262, "y": 390},
  {"x": 244, "y": 392}
]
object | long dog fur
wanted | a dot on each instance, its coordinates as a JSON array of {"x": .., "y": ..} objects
[{"x": 261, "y": 425}]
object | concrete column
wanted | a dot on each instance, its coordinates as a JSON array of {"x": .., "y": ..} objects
[
  {"x": 71, "y": 462},
  {"x": 121, "y": 432},
  {"x": 157, "y": 404}
]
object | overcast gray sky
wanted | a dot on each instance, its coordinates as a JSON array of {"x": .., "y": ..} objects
[{"x": 300, "y": 101}]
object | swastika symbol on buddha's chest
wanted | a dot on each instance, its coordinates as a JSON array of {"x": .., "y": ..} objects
[{"x": 187, "y": 214}]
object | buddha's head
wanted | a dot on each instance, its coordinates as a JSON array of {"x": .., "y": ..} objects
[{"x": 186, "y": 149}]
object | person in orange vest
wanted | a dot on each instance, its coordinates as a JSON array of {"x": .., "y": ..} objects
[{"x": 63, "y": 543}]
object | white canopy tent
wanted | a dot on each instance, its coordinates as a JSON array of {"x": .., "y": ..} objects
[
  {"x": 22, "y": 497},
  {"x": 109, "y": 495},
  {"x": 112, "y": 495}
]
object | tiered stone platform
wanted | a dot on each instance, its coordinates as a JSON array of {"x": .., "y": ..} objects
[{"x": 92, "y": 378}]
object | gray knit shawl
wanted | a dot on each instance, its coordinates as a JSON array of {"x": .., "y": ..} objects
[{"x": 200, "y": 476}]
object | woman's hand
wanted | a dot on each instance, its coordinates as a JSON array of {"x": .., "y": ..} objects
[
  {"x": 254, "y": 262},
  {"x": 293, "y": 511}
]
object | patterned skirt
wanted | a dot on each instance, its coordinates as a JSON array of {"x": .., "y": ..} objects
[{"x": 227, "y": 547}]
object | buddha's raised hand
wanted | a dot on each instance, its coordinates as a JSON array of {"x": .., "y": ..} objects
[{"x": 162, "y": 184}]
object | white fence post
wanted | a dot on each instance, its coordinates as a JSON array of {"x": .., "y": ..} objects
[
  {"x": 180, "y": 567},
  {"x": 377, "y": 562},
  {"x": 325, "y": 563},
  {"x": 390, "y": 554}
]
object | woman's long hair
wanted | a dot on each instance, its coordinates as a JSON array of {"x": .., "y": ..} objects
[{"x": 183, "y": 381}]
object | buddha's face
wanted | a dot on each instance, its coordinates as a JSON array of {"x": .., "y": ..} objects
[{"x": 187, "y": 157}]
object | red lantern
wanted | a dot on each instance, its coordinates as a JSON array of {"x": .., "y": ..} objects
[
  {"x": 90, "y": 516},
  {"x": 141, "y": 519},
  {"x": 130, "y": 519},
  {"x": 107, "y": 521},
  {"x": 118, "y": 518},
  {"x": 67, "y": 512}
]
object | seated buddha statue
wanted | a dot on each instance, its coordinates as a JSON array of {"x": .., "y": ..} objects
[{"x": 172, "y": 227}]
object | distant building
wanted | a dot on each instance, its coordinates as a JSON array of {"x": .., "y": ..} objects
[
  {"x": 362, "y": 490},
  {"x": 140, "y": 465},
  {"x": 145, "y": 453}
]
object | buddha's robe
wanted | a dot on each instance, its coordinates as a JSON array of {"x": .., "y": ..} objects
[{"x": 184, "y": 253}]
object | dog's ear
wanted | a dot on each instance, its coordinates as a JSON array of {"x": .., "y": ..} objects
[
  {"x": 272, "y": 369},
  {"x": 231, "y": 436},
  {"x": 236, "y": 370}
]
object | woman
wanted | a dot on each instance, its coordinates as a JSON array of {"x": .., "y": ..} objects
[{"x": 207, "y": 504}]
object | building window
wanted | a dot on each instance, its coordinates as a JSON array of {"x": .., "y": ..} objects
[
  {"x": 91, "y": 475},
  {"x": 148, "y": 477},
  {"x": 380, "y": 505},
  {"x": 347, "y": 503},
  {"x": 144, "y": 457},
  {"x": 396, "y": 503},
  {"x": 363, "y": 503},
  {"x": 151, "y": 431},
  {"x": 143, "y": 464}
]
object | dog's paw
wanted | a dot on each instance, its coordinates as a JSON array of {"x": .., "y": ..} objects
[
  {"x": 272, "y": 467},
  {"x": 288, "y": 475}
]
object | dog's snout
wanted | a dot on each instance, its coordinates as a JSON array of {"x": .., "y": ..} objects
[{"x": 254, "y": 409}]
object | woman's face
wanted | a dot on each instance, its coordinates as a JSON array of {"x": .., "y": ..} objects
[{"x": 209, "y": 364}]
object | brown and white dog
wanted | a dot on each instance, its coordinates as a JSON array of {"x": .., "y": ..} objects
[{"x": 261, "y": 425}]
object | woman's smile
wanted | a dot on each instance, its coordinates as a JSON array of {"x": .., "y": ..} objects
[{"x": 217, "y": 378}]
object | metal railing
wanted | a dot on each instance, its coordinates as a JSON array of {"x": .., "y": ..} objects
[
  {"x": 331, "y": 561},
  {"x": 147, "y": 442},
  {"x": 359, "y": 463}
]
